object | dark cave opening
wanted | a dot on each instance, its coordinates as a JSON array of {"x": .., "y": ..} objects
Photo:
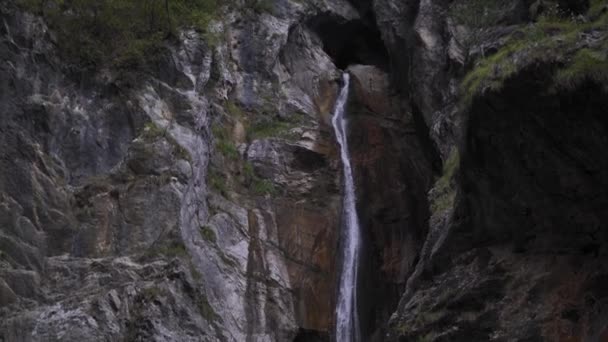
[{"x": 350, "y": 42}]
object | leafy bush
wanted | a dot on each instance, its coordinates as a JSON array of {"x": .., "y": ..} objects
[
  {"x": 223, "y": 143},
  {"x": 118, "y": 33},
  {"x": 228, "y": 149},
  {"x": 550, "y": 39}
]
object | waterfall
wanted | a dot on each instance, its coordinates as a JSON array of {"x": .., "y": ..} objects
[{"x": 347, "y": 320}]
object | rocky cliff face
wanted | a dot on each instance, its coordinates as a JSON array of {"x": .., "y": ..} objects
[
  {"x": 514, "y": 249},
  {"x": 202, "y": 202},
  {"x": 125, "y": 219}
]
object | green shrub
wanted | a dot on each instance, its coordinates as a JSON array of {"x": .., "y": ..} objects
[
  {"x": 271, "y": 128},
  {"x": 223, "y": 142},
  {"x": 248, "y": 171},
  {"x": 550, "y": 39},
  {"x": 228, "y": 149},
  {"x": 263, "y": 187},
  {"x": 124, "y": 34},
  {"x": 217, "y": 182}
]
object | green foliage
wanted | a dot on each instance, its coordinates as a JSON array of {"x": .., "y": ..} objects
[
  {"x": 123, "y": 34},
  {"x": 262, "y": 6},
  {"x": 223, "y": 142},
  {"x": 491, "y": 72},
  {"x": 174, "y": 250},
  {"x": 425, "y": 338},
  {"x": 597, "y": 8},
  {"x": 208, "y": 234},
  {"x": 263, "y": 187},
  {"x": 150, "y": 293},
  {"x": 180, "y": 151},
  {"x": 585, "y": 65},
  {"x": 268, "y": 128},
  {"x": 449, "y": 168},
  {"x": 443, "y": 190},
  {"x": 228, "y": 149},
  {"x": 152, "y": 131},
  {"x": 443, "y": 202},
  {"x": 233, "y": 109},
  {"x": 206, "y": 309},
  {"x": 248, "y": 171},
  {"x": 552, "y": 37},
  {"x": 196, "y": 275},
  {"x": 257, "y": 185},
  {"x": 217, "y": 182},
  {"x": 420, "y": 323}
]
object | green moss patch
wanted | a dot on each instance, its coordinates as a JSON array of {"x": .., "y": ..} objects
[
  {"x": 586, "y": 64},
  {"x": 443, "y": 189},
  {"x": 552, "y": 39},
  {"x": 218, "y": 182},
  {"x": 208, "y": 234}
]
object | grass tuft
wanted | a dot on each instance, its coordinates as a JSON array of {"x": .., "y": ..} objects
[
  {"x": 549, "y": 39},
  {"x": 263, "y": 187},
  {"x": 585, "y": 65},
  {"x": 443, "y": 189}
]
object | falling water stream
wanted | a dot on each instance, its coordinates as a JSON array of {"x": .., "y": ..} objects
[{"x": 347, "y": 320}]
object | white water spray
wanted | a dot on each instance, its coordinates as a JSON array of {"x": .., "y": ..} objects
[{"x": 347, "y": 320}]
